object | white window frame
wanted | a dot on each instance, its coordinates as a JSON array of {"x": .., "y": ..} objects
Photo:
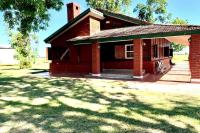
[{"x": 126, "y": 51}]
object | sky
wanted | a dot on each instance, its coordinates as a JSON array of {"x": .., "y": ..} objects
[{"x": 185, "y": 9}]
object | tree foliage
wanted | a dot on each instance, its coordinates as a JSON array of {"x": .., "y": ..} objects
[
  {"x": 153, "y": 11},
  {"x": 179, "y": 21},
  {"x": 175, "y": 46},
  {"x": 28, "y": 15},
  {"x": 24, "y": 53},
  {"x": 111, "y": 5}
]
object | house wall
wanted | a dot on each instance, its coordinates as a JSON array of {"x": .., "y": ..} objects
[
  {"x": 113, "y": 56},
  {"x": 81, "y": 29},
  {"x": 79, "y": 62},
  {"x": 111, "y": 23},
  {"x": 79, "y": 56}
]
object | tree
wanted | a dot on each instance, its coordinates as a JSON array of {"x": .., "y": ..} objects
[
  {"x": 111, "y": 5},
  {"x": 28, "y": 15},
  {"x": 24, "y": 53},
  {"x": 179, "y": 21},
  {"x": 175, "y": 46},
  {"x": 153, "y": 11}
]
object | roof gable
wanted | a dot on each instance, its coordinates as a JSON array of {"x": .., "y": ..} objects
[
  {"x": 70, "y": 24},
  {"x": 99, "y": 13}
]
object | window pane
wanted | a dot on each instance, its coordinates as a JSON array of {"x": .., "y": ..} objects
[
  {"x": 129, "y": 54},
  {"x": 129, "y": 48}
]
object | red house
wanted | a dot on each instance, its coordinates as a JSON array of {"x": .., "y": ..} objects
[{"x": 97, "y": 41}]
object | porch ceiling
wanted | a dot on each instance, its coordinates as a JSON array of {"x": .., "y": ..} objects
[
  {"x": 184, "y": 40},
  {"x": 144, "y": 32}
]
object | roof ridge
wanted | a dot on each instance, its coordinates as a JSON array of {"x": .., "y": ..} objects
[
  {"x": 187, "y": 25},
  {"x": 137, "y": 19}
]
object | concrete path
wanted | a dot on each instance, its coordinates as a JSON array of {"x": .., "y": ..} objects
[
  {"x": 179, "y": 73},
  {"x": 178, "y": 88}
]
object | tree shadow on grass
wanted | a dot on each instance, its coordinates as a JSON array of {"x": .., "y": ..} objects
[{"x": 55, "y": 105}]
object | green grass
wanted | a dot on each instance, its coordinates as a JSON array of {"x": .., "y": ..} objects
[
  {"x": 179, "y": 58},
  {"x": 34, "y": 104}
]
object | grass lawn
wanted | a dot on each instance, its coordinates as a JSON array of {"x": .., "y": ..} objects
[
  {"x": 29, "y": 103},
  {"x": 179, "y": 58}
]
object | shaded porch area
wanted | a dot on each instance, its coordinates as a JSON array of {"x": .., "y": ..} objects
[{"x": 133, "y": 59}]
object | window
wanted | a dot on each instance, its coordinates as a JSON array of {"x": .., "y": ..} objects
[
  {"x": 171, "y": 52},
  {"x": 55, "y": 53},
  {"x": 49, "y": 53},
  {"x": 129, "y": 51},
  {"x": 155, "y": 51},
  {"x": 166, "y": 51}
]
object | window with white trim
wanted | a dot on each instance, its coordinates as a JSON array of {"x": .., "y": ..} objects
[{"x": 129, "y": 51}]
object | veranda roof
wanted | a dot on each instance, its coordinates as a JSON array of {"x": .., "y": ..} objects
[{"x": 133, "y": 32}]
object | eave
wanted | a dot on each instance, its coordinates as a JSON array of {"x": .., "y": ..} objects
[{"x": 130, "y": 37}]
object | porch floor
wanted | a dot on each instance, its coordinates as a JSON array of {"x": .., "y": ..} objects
[
  {"x": 117, "y": 74},
  {"x": 178, "y": 73}
]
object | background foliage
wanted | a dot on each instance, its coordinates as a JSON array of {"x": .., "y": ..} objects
[
  {"x": 24, "y": 53},
  {"x": 111, "y": 5},
  {"x": 153, "y": 11},
  {"x": 175, "y": 46},
  {"x": 28, "y": 15}
]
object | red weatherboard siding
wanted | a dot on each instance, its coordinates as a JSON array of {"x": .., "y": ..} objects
[
  {"x": 120, "y": 51},
  {"x": 63, "y": 68},
  {"x": 80, "y": 56},
  {"x": 114, "y": 23},
  {"x": 81, "y": 29},
  {"x": 148, "y": 66},
  {"x": 195, "y": 56},
  {"x": 81, "y": 64},
  {"x": 76, "y": 64},
  {"x": 118, "y": 64}
]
